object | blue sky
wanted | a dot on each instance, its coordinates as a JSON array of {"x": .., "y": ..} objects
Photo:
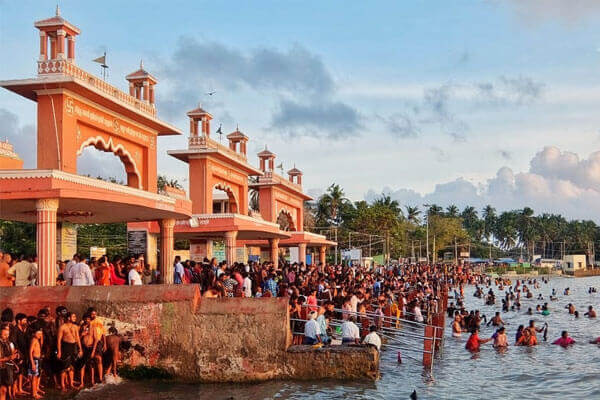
[{"x": 426, "y": 100}]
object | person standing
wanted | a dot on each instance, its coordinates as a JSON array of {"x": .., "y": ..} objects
[
  {"x": 23, "y": 272},
  {"x": 134, "y": 274},
  {"x": 81, "y": 274},
  {"x": 178, "y": 271},
  {"x": 5, "y": 278}
]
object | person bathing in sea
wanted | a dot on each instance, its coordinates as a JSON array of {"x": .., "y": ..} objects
[
  {"x": 564, "y": 340},
  {"x": 474, "y": 342},
  {"x": 571, "y": 308},
  {"x": 456, "y": 326},
  {"x": 500, "y": 339},
  {"x": 591, "y": 312},
  {"x": 496, "y": 320}
]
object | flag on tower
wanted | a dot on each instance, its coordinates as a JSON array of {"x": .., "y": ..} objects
[{"x": 100, "y": 60}]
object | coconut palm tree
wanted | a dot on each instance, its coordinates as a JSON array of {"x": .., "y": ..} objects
[
  {"x": 332, "y": 201},
  {"x": 412, "y": 214},
  {"x": 452, "y": 211}
]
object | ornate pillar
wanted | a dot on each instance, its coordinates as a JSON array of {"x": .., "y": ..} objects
[
  {"x": 166, "y": 250},
  {"x": 46, "y": 241},
  {"x": 71, "y": 48},
  {"x": 131, "y": 89},
  {"x": 43, "y": 46},
  {"x": 230, "y": 238},
  {"x": 151, "y": 94},
  {"x": 322, "y": 253},
  {"x": 52, "y": 48},
  {"x": 302, "y": 252},
  {"x": 274, "y": 243},
  {"x": 60, "y": 37},
  {"x": 145, "y": 87}
]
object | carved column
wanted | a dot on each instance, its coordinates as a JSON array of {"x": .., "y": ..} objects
[
  {"x": 230, "y": 241},
  {"x": 322, "y": 253},
  {"x": 46, "y": 241},
  {"x": 274, "y": 243},
  {"x": 302, "y": 252},
  {"x": 166, "y": 250}
]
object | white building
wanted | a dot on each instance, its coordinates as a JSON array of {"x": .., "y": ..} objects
[{"x": 574, "y": 262}]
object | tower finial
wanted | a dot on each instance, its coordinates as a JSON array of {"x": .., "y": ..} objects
[
  {"x": 141, "y": 64},
  {"x": 57, "y": 11},
  {"x": 237, "y": 127}
]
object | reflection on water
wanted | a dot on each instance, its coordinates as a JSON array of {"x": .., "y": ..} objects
[{"x": 543, "y": 372}]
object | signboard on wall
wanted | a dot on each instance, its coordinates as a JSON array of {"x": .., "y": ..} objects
[
  {"x": 137, "y": 242},
  {"x": 97, "y": 252},
  {"x": 240, "y": 254},
  {"x": 219, "y": 250},
  {"x": 66, "y": 241},
  {"x": 198, "y": 251},
  {"x": 294, "y": 255}
]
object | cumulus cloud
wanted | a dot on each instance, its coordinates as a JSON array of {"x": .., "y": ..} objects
[
  {"x": 296, "y": 76},
  {"x": 509, "y": 90},
  {"x": 439, "y": 106},
  {"x": 569, "y": 12},
  {"x": 335, "y": 119},
  {"x": 21, "y": 137},
  {"x": 557, "y": 181}
]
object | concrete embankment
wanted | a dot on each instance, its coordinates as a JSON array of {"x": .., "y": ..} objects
[{"x": 201, "y": 340}]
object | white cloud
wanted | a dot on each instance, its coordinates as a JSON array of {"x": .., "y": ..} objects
[{"x": 557, "y": 182}]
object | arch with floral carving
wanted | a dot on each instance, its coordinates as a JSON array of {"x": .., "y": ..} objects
[
  {"x": 133, "y": 175},
  {"x": 233, "y": 203},
  {"x": 286, "y": 220}
]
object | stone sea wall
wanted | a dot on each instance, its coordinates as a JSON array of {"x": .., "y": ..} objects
[{"x": 201, "y": 340}]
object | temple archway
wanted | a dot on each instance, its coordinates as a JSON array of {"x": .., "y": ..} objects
[
  {"x": 286, "y": 221},
  {"x": 224, "y": 200},
  {"x": 131, "y": 171}
]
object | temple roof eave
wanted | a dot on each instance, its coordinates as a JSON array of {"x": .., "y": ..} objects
[
  {"x": 282, "y": 185},
  {"x": 28, "y": 88},
  {"x": 186, "y": 155}
]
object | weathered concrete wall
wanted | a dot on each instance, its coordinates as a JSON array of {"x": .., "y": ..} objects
[{"x": 202, "y": 340}]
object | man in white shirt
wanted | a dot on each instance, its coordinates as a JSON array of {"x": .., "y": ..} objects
[
  {"x": 350, "y": 332},
  {"x": 81, "y": 274},
  {"x": 312, "y": 332},
  {"x": 373, "y": 338},
  {"x": 70, "y": 264},
  {"x": 134, "y": 274},
  {"x": 247, "y": 285}
]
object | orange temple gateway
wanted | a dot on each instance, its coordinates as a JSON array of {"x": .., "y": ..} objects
[{"x": 76, "y": 109}]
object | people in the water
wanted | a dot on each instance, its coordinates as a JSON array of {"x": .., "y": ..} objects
[
  {"x": 591, "y": 313},
  {"x": 474, "y": 342},
  {"x": 564, "y": 340}
]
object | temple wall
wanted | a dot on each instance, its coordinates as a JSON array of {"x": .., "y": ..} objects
[{"x": 202, "y": 340}]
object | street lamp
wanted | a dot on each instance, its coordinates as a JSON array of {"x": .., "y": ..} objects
[{"x": 427, "y": 230}]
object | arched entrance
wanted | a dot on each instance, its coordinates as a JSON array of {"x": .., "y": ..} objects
[
  {"x": 224, "y": 200},
  {"x": 131, "y": 171},
  {"x": 286, "y": 221}
]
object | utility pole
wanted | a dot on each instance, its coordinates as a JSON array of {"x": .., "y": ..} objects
[
  {"x": 420, "y": 248},
  {"x": 412, "y": 244},
  {"x": 427, "y": 238},
  {"x": 433, "y": 255},
  {"x": 336, "y": 248},
  {"x": 370, "y": 236},
  {"x": 490, "y": 255},
  {"x": 455, "y": 252}
]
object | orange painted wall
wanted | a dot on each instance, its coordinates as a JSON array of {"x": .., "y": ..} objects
[
  {"x": 205, "y": 174},
  {"x": 10, "y": 163},
  {"x": 65, "y": 123}
]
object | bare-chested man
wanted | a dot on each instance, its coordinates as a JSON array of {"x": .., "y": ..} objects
[
  {"x": 113, "y": 342},
  {"x": 35, "y": 354},
  {"x": 69, "y": 349}
]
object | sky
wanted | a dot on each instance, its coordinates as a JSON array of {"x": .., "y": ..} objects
[{"x": 452, "y": 102}]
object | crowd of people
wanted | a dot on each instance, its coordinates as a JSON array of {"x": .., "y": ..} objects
[
  {"x": 59, "y": 351},
  {"x": 464, "y": 321}
]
